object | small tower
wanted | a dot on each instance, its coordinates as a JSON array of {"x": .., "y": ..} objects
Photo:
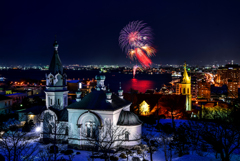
[
  {"x": 78, "y": 93},
  {"x": 120, "y": 91},
  {"x": 185, "y": 88},
  {"x": 109, "y": 95},
  {"x": 100, "y": 82},
  {"x": 56, "y": 83}
]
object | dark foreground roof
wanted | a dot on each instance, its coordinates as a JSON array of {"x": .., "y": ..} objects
[
  {"x": 3, "y": 97},
  {"x": 96, "y": 100},
  {"x": 128, "y": 118}
]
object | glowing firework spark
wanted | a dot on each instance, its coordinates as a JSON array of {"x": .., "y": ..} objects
[{"x": 136, "y": 39}]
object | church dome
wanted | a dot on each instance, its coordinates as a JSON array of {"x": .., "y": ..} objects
[{"x": 128, "y": 118}]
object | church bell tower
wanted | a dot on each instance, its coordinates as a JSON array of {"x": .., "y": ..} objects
[
  {"x": 56, "y": 83},
  {"x": 186, "y": 88}
]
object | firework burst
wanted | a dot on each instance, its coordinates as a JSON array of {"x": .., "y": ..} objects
[{"x": 136, "y": 40}]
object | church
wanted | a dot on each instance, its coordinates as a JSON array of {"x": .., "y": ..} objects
[{"x": 67, "y": 123}]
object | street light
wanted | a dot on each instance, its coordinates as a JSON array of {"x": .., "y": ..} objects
[{"x": 38, "y": 129}]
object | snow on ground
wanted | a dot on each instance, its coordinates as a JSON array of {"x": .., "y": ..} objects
[{"x": 157, "y": 156}]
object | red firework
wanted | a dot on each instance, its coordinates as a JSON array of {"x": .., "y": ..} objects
[
  {"x": 135, "y": 39},
  {"x": 142, "y": 58}
]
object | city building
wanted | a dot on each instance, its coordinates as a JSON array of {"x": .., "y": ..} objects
[
  {"x": 230, "y": 76},
  {"x": 204, "y": 89},
  {"x": 194, "y": 88},
  {"x": 5, "y": 104}
]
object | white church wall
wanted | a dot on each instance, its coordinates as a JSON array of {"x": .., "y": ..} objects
[
  {"x": 104, "y": 115},
  {"x": 57, "y": 99},
  {"x": 74, "y": 133},
  {"x": 134, "y": 135},
  {"x": 116, "y": 115}
]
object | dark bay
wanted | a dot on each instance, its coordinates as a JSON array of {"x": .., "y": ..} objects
[{"x": 142, "y": 82}]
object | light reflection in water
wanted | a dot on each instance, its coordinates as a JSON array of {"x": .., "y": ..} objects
[{"x": 140, "y": 85}]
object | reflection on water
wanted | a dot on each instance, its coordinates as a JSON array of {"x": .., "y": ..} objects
[
  {"x": 142, "y": 82},
  {"x": 140, "y": 85}
]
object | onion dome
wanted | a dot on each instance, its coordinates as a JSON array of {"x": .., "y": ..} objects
[
  {"x": 128, "y": 118},
  {"x": 100, "y": 77}
]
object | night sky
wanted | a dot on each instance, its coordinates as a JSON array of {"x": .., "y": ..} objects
[{"x": 197, "y": 31}]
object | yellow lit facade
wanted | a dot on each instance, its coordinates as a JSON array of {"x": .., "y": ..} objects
[
  {"x": 144, "y": 108},
  {"x": 184, "y": 88}
]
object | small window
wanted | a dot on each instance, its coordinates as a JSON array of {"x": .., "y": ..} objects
[
  {"x": 188, "y": 90},
  {"x": 51, "y": 102},
  {"x": 58, "y": 102},
  {"x": 9, "y": 103},
  {"x": 126, "y": 135},
  {"x": 66, "y": 132},
  {"x": 5, "y": 103},
  {"x": 184, "y": 91}
]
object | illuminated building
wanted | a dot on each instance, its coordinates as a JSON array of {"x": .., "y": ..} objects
[
  {"x": 230, "y": 71},
  {"x": 232, "y": 89},
  {"x": 204, "y": 89},
  {"x": 184, "y": 88},
  {"x": 194, "y": 88},
  {"x": 150, "y": 104},
  {"x": 230, "y": 76}
]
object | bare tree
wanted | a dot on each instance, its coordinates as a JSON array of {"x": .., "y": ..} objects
[
  {"x": 219, "y": 134},
  {"x": 106, "y": 138},
  {"x": 16, "y": 145},
  {"x": 151, "y": 141},
  {"x": 55, "y": 132},
  {"x": 164, "y": 141},
  {"x": 173, "y": 105}
]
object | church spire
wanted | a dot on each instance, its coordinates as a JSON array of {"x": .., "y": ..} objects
[
  {"x": 186, "y": 78},
  {"x": 55, "y": 65}
]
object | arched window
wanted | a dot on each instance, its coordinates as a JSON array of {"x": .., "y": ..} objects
[
  {"x": 188, "y": 90},
  {"x": 90, "y": 129},
  {"x": 184, "y": 91},
  {"x": 126, "y": 135}
]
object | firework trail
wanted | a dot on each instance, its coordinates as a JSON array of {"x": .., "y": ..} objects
[
  {"x": 134, "y": 70},
  {"x": 136, "y": 40}
]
